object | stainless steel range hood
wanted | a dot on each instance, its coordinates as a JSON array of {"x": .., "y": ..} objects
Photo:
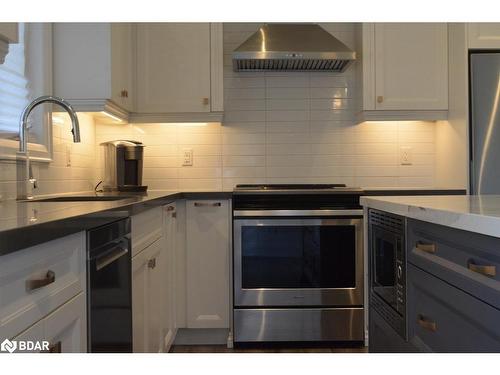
[{"x": 292, "y": 47}]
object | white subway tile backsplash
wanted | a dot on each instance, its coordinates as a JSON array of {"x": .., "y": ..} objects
[
  {"x": 330, "y": 92},
  {"x": 287, "y": 115},
  {"x": 287, "y": 104},
  {"x": 282, "y": 127},
  {"x": 288, "y": 93},
  {"x": 243, "y": 138}
]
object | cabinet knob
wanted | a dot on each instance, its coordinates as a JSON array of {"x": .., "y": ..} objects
[
  {"x": 380, "y": 99},
  {"x": 152, "y": 263},
  {"x": 124, "y": 93},
  {"x": 206, "y": 101},
  {"x": 426, "y": 323}
]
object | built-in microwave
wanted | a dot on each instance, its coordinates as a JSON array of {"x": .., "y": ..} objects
[{"x": 387, "y": 268}]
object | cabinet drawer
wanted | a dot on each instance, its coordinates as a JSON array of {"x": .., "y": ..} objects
[
  {"x": 37, "y": 280},
  {"x": 146, "y": 229},
  {"x": 469, "y": 261},
  {"x": 442, "y": 318}
]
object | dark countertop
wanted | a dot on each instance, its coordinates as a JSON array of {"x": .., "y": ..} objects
[{"x": 25, "y": 224}]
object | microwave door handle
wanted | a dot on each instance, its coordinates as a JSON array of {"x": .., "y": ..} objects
[{"x": 109, "y": 258}]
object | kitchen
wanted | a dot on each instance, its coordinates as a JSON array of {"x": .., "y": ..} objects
[{"x": 242, "y": 187}]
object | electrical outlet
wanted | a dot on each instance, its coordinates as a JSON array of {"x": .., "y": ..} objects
[
  {"x": 406, "y": 155},
  {"x": 187, "y": 157},
  {"x": 68, "y": 155}
]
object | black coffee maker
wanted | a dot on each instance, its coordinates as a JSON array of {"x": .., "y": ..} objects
[{"x": 123, "y": 161}]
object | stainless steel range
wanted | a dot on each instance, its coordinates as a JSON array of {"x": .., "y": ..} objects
[{"x": 298, "y": 263}]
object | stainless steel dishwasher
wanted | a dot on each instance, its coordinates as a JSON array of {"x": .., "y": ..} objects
[{"x": 109, "y": 288}]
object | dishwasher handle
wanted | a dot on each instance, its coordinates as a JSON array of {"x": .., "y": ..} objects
[{"x": 108, "y": 258}]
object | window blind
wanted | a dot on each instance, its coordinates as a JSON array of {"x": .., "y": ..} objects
[{"x": 14, "y": 90}]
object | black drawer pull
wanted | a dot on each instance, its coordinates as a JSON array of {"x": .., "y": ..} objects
[
  {"x": 426, "y": 247},
  {"x": 483, "y": 270},
  {"x": 427, "y": 324},
  {"x": 206, "y": 204},
  {"x": 49, "y": 278}
]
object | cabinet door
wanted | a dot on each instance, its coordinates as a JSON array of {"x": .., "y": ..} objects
[
  {"x": 411, "y": 66},
  {"x": 66, "y": 328},
  {"x": 484, "y": 35},
  {"x": 207, "y": 237},
  {"x": 121, "y": 61},
  {"x": 170, "y": 227},
  {"x": 148, "y": 322},
  {"x": 442, "y": 318},
  {"x": 35, "y": 333},
  {"x": 173, "y": 67}
]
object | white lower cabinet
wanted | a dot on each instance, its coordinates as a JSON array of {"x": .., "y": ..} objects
[
  {"x": 65, "y": 329},
  {"x": 170, "y": 235},
  {"x": 207, "y": 263},
  {"x": 148, "y": 299}
]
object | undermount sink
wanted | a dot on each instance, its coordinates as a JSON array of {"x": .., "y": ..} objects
[{"x": 80, "y": 198}]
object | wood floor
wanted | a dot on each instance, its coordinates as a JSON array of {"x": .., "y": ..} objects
[{"x": 224, "y": 349}]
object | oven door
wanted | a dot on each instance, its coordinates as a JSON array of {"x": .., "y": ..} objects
[{"x": 297, "y": 261}]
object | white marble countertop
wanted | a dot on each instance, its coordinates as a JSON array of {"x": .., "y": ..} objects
[{"x": 475, "y": 213}]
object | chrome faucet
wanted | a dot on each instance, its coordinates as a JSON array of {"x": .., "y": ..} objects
[{"x": 30, "y": 183}]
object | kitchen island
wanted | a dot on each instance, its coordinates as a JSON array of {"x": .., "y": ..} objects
[{"x": 433, "y": 266}]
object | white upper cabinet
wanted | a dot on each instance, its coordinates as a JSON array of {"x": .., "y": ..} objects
[
  {"x": 179, "y": 72},
  {"x": 484, "y": 35},
  {"x": 93, "y": 66},
  {"x": 405, "y": 71}
]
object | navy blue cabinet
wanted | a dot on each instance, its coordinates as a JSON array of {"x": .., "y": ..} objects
[{"x": 452, "y": 293}]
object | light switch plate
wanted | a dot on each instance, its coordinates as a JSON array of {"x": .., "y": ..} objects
[
  {"x": 406, "y": 155},
  {"x": 187, "y": 157}
]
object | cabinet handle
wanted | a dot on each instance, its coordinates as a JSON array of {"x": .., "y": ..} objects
[
  {"x": 152, "y": 263},
  {"x": 55, "y": 347},
  {"x": 124, "y": 94},
  {"x": 426, "y": 323},
  {"x": 483, "y": 270},
  {"x": 49, "y": 278},
  {"x": 426, "y": 247},
  {"x": 170, "y": 208},
  {"x": 206, "y": 101},
  {"x": 204, "y": 204},
  {"x": 380, "y": 99}
]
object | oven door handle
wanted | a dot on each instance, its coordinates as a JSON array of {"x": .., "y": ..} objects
[
  {"x": 285, "y": 213},
  {"x": 109, "y": 258}
]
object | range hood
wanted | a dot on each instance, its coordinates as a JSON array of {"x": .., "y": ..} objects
[{"x": 292, "y": 47}]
